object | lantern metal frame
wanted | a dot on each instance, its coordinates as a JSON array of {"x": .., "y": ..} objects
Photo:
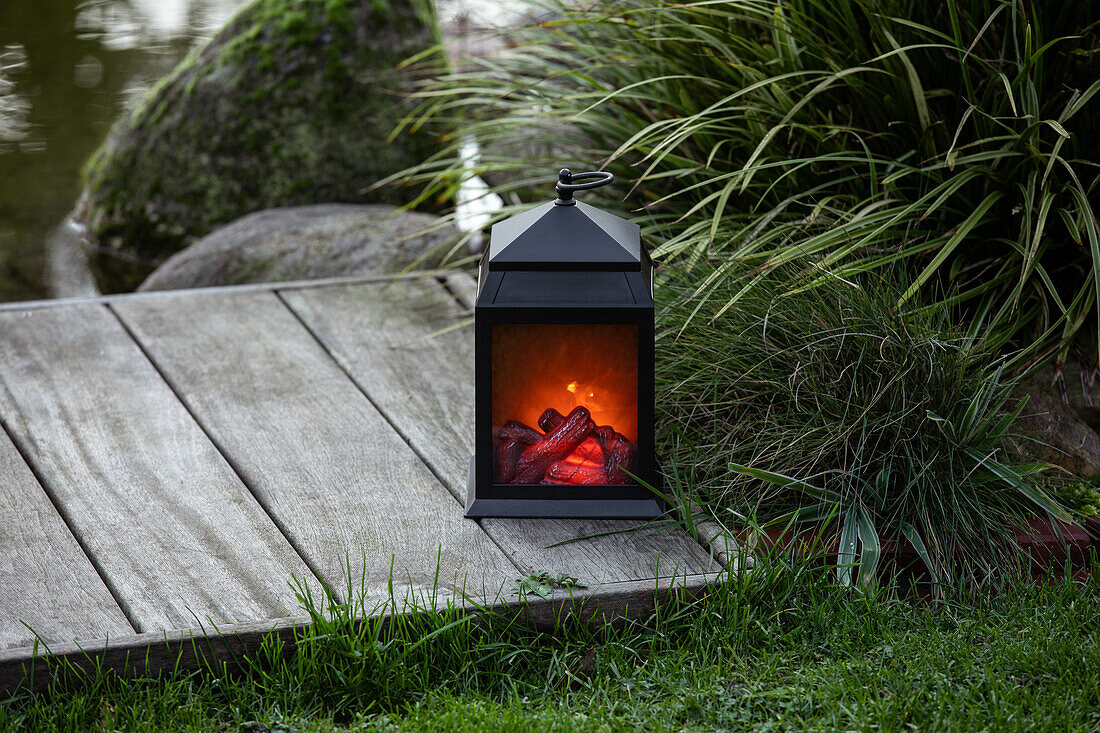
[{"x": 556, "y": 280}]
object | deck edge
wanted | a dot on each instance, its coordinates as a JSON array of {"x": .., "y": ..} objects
[{"x": 28, "y": 667}]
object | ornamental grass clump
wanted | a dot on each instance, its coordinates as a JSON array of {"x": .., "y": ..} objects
[
  {"x": 953, "y": 141},
  {"x": 829, "y": 403}
]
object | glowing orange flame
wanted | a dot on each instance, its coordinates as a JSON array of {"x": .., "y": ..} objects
[{"x": 536, "y": 366}]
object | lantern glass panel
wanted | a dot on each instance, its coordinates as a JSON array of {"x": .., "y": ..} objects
[{"x": 551, "y": 369}]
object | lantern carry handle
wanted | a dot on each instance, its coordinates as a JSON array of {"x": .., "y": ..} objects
[{"x": 565, "y": 186}]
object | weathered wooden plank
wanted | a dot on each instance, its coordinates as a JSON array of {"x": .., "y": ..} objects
[
  {"x": 420, "y": 375},
  {"x": 334, "y": 475},
  {"x": 46, "y": 580},
  {"x": 151, "y": 653},
  {"x": 175, "y": 533}
]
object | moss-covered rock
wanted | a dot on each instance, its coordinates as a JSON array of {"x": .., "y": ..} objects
[{"x": 291, "y": 103}]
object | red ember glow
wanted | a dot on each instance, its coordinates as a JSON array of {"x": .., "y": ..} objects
[{"x": 578, "y": 383}]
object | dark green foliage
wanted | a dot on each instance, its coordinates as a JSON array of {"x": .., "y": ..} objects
[
  {"x": 951, "y": 140},
  {"x": 829, "y": 400},
  {"x": 785, "y": 158}
]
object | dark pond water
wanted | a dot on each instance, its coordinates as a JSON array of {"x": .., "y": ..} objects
[{"x": 68, "y": 68}]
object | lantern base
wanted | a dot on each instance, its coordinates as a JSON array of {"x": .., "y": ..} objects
[{"x": 559, "y": 508}]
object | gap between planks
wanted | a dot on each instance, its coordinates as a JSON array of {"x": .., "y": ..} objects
[
  {"x": 50, "y": 586},
  {"x": 321, "y": 344},
  {"x": 217, "y": 445}
]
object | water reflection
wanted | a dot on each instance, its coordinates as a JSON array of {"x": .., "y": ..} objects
[
  {"x": 123, "y": 25},
  {"x": 111, "y": 23},
  {"x": 13, "y": 106},
  {"x": 475, "y": 204},
  {"x": 88, "y": 73},
  {"x": 68, "y": 68}
]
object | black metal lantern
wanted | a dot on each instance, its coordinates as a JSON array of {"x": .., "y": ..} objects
[{"x": 564, "y": 365}]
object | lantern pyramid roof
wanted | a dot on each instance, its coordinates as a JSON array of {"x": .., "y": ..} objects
[{"x": 577, "y": 236}]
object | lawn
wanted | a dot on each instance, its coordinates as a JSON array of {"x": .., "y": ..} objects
[{"x": 778, "y": 647}]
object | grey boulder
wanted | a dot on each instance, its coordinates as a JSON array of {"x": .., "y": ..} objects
[{"x": 305, "y": 243}]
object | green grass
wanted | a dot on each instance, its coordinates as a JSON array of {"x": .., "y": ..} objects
[{"x": 781, "y": 647}]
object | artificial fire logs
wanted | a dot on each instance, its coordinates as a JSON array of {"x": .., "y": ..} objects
[{"x": 570, "y": 450}]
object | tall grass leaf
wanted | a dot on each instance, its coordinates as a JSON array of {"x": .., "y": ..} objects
[
  {"x": 784, "y": 41},
  {"x": 943, "y": 193},
  {"x": 870, "y": 547},
  {"x": 719, "y": 207},
  {"x": 1080, "y": 101},
  {"x": 1069, "y": 218},
  {"x": 846, "y": 548},
  {"x": 956, "y": 26},
  {"x": 1052, "y": 158},
  {"x": 981, "y": 31},
  {"x": 747, "y": 170},
  {"x": 779, "y": 479},
  {"x": 1093, "y": 231},
  {"x": 910, "y": 532},
  {"x": 915, "y": 85},
  {"x": 1057, "y": 128},
  {"x": 951, "y": 152},
  {"x": 813, "y": 513},
  {"x": 1013, "y": 478},
  {"x": 1079, "y": 310},
  {"x": 462, "y": 620},
  {"x": 1052, "y": 291},
  {"x": 1030, "y": 260},
  {"x": 1008, "y": 92},
  {"x": 974, "y": 219}
]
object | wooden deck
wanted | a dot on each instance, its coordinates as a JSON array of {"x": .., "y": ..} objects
[{"x": 170, "y": 462}]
